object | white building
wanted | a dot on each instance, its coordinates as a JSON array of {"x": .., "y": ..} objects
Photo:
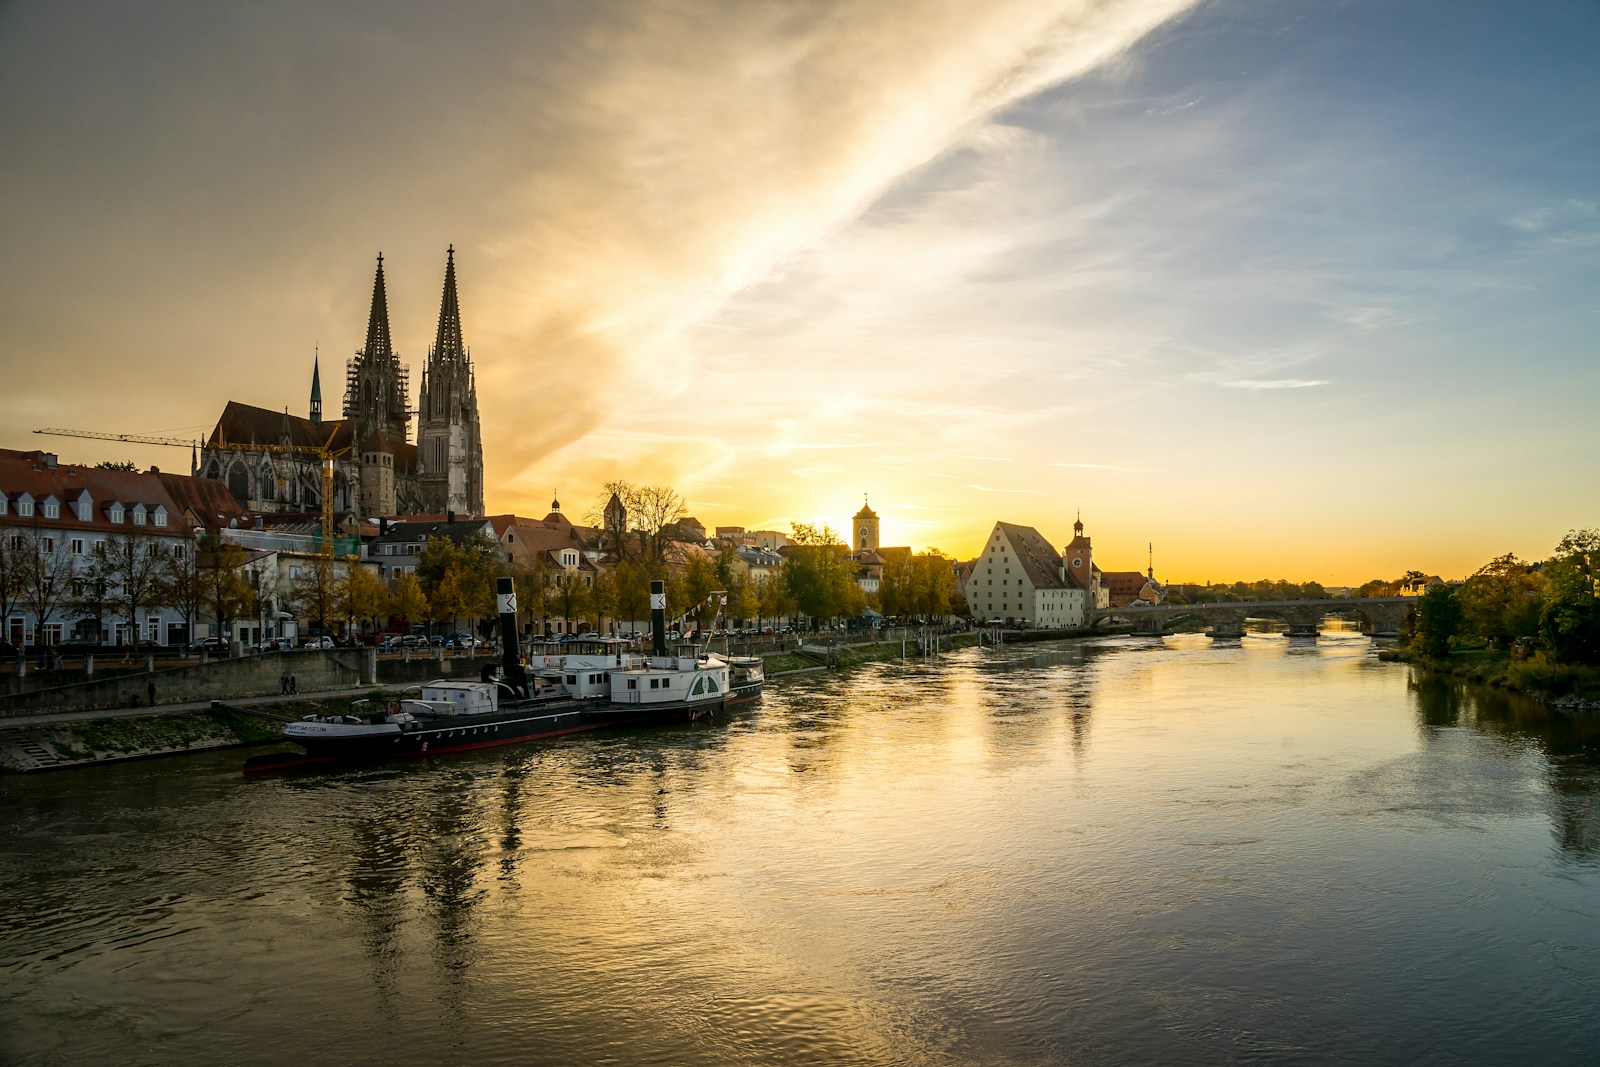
[{"x": 1021, "y": 580}]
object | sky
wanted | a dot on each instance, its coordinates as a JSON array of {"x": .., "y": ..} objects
[{"x": 1285, "y": 290}]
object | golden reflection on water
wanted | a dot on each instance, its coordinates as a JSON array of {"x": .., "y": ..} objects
[{"x": 1137, "y": 850}]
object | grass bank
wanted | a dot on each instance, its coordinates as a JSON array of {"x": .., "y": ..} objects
[{"x": 1562, "y": 685}]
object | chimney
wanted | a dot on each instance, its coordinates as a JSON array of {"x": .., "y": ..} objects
[
  {"x": 383, "y": 527},
  {"x": 50, "y": 460},
  {"x": 155, "y": 470}
]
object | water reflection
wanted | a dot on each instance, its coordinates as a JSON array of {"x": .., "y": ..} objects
[
  {"x": 1272, "y": 850},
  {"x": 1569, "y": 747}
]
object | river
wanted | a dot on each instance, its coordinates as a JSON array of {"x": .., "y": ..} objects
[{"x": 1129, "y": 851}]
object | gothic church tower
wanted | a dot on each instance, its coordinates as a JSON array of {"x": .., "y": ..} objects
[
  {"x": 375, "y": 403},
  {"x": 451, "y": 448}
]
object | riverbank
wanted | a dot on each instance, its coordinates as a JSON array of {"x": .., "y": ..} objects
[
  {"x": 1573, "y": 689},
  {"x": 78, "y": 739}
]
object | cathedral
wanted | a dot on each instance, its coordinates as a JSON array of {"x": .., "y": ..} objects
[{"x": 272, "y": 461}]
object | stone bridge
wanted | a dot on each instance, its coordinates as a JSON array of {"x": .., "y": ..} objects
[{"x": 1379, "y": 616}]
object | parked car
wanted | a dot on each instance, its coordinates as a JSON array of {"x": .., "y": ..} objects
[
  {"x": 318, "y": 642},
  {"x": 466, "y": 642},
  {"x": 214, "y": 646},
  {"x": 412, "y": 641}
]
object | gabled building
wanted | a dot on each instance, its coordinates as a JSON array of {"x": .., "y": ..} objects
[{"x": 1021, "y": 580}]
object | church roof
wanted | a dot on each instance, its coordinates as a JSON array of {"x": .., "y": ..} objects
[
  {"x": 248, "y": 424},
  {"x": 378, "y": 345}
]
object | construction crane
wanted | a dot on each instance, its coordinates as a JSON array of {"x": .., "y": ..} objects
[{"x": 324, "y": 452}]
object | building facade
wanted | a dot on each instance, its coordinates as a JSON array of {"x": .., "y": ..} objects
[{"x": 1020, "y": 580}]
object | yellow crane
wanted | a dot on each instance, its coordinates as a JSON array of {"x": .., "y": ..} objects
[{"x": 324, "y": 452}]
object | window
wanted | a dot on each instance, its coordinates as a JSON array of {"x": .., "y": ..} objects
[
  {"x": 152, "y": 629},
  {"x": 138, "y": 515},
  {"x": 85, "y": 509},
  {"x": 25, "y": 508},
  {"x": 116, "y": 514},
  {"x": 159, "y": 516},
  {"x": 47, "y": 544},
  {"x": 5, "y": 502},
  {"x": 52, "y": 510},
  {"x": 77, "y": 546}
]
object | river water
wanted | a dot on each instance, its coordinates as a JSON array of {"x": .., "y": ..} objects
[{"x": 1122, "y": 852}]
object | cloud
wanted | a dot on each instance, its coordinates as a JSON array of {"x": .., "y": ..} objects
[
  {"x": 1273, "y": 383},
  {"x": 992, "y": 489}
]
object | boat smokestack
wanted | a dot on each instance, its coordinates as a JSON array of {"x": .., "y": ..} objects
[
  {"x": 510, "y": 659},
  {"x": 658, "y": 617}
]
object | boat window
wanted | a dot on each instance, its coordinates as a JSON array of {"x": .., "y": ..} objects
[
  {"x": 572, "y": 679},
  {"x": 699, "y": 687},
  {"x": 711, "y": 683},
  {"x": 633, "y": 683}
]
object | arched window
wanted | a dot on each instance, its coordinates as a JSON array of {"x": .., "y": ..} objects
[{"x": 239, "y": 483}]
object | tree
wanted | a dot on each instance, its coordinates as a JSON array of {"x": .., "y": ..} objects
[
  {"x": 118, "y": 465},
  {"x": 135, "y": 571},
  {"x": 13, "y": 571},
  {"x": 933, "y": 584},
  {"x": 1570, "y": 620},
  {"x": 688, "y": 591},
  {"x": 1438, "y": 619},
  {"x": 315, "y": 592},
  {"x": 819, "y": 575},
  {"x": 362, "y": 595},
  {"x": 651, "y": 510},
  {"x": 47, "y": 571},
  {"x": 225, "y": 593},
  {"x": 92, "y": 593},
  {"x": 630, "y": 580},
  {"x": 179, "y": 582},
  {"x": 408, "y": 601},
  {"x": 1502, "y": 600}
]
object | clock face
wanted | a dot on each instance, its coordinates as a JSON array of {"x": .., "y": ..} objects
[
  {"x": 863, "y": 533},
  {"x": 1077, "y": 561}
]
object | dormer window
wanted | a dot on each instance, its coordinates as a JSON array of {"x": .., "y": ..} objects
[
  {"x": 5, "y": 503},
  {"x": 569, "y": 558},
  {"x": 85, "y": 508},
  {"x": 115, "y": 514},
  {"x": 51, "y": 508},
  {"x": 138, "y": 514},
  {"x": 159, "y": 515}
]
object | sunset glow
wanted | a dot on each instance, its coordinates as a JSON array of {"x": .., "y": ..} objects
[{"x": 1288, "y": 292}]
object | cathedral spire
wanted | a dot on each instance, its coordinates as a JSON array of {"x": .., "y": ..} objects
[
  {"x": 378, "y": 346},
  {"x": 316, "y": 388},
  {"x": 448, "y": 344}
]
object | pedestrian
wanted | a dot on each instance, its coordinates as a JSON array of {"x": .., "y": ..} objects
[
  {"x": 283, "y": 684},
  {"x": 151, "y": 690},
  {"x": 57, "y": 663},
  {"x": 294, "y": 686}
]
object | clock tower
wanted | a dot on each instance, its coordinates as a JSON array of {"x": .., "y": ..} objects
[
  {"x": 866, "y": 529},
  {"x": 1077, "y": 559}
]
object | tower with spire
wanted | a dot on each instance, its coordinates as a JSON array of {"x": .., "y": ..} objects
[
  {"x": 376, "y": 382},
  {"x": 448, "y": 435},
  {"x": 316, "y": 388}
]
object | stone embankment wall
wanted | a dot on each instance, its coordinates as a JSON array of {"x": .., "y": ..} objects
[{"x": 224, "y": 679}]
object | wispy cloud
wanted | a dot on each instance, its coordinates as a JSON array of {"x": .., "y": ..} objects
[
  {"x": 1273, "y": 383},
  {"x": 992, "y": 489}
]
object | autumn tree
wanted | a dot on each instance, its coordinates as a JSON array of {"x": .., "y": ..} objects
[
  {"x": 1501, "y": 601},
  {"x": 316, "y": 592},
  {"x": 362, "y": 595},
  {"x": 819, "y": 574},
  {"x": 407, "y": 600},
  {"x": 224, "y": 592},
  {"x": 180, "y": 586}
]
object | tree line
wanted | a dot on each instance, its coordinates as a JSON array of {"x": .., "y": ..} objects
[{"x": 1547, "y": 610}]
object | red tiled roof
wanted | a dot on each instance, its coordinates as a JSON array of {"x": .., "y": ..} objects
[{"x": 32, "y": 473}]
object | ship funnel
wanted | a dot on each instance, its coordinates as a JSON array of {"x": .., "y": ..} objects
[
  {"x": 658, "y": 617},
  {"x": 510, "y": 648}
]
